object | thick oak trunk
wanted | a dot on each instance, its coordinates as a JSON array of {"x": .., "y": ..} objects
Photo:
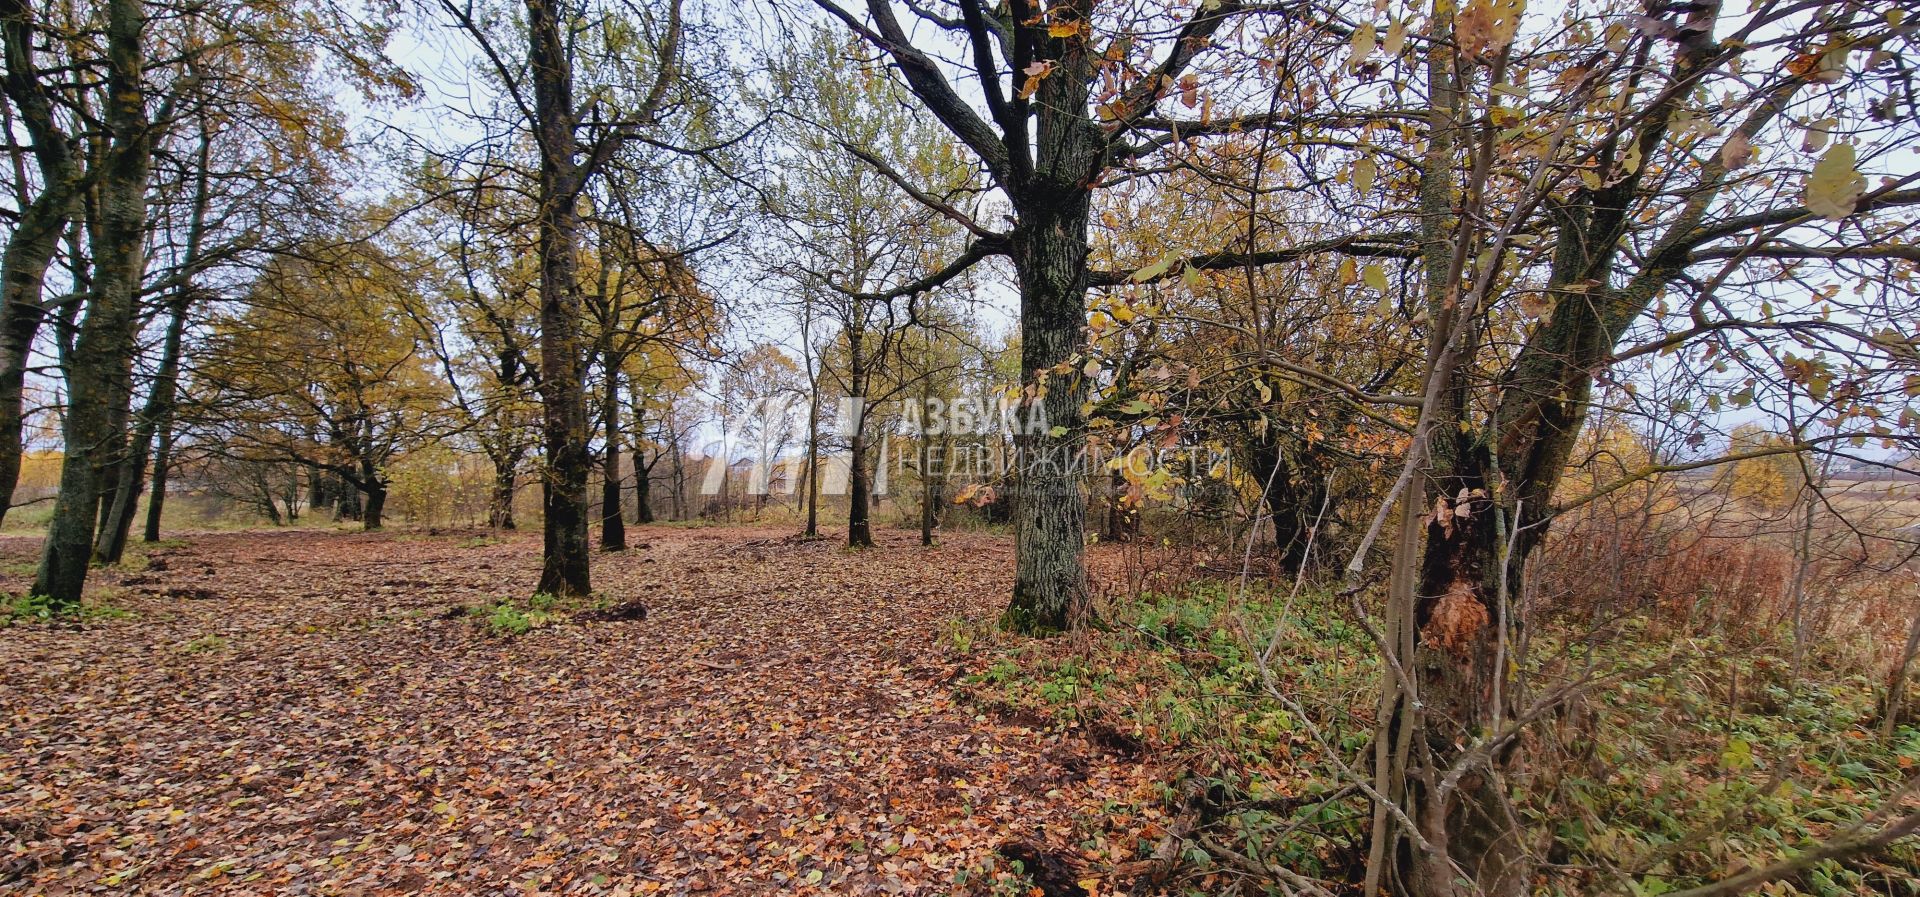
[
  {"x": 1050, "y": 256},
  {"x": 373, "y": 516},
  {"x": 643, "y": 490},
  {"x": 859, "y": 493}
]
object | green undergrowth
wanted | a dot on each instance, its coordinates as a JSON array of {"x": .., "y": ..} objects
[
  {"x": 16, "y": 610},
  {"x": 1712, "y": 761},
  {"x": 508, "y": 617},
  {"x": 1691, "y": 759}
]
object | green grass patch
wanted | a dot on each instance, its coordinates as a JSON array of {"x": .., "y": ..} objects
[
  {"x": 1699, "y": 759},
  {"x": 205, "y": 644},
  {"x": 510, "y": 617},
  {"x": 16, "y": 610}
]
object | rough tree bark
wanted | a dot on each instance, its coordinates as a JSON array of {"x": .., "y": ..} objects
[
  {"x": 155, "y": 418},
  {"x": 859, "y": 488},
  {"x": 35, "y": 237},
  {"x": 157, "y": 497},
  {"x": 105, "y": 340},
  {"x": 1050, "y": 254},
  {"x": 643, "y": 480},
  {"x": 813, "y": 454},
  {"x": 1046, "y": 151},
  {"x": 1491, "y": 490},
  {"x": 500, "y": 506},
  {"x": 565, "y": 167},
  {"x": 564, "y": 562}
]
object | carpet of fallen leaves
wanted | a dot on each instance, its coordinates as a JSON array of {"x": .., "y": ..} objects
[{"x": 300, "y": 712}]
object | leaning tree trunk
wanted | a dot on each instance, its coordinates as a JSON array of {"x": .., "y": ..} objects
[
  {"x": 1895, "y": 703},
  {"x": 35, "y": 237},
  {"x": 156, "y": 416},
  {"x": 156, "y": 500},
  {"x": 30, "y": 250},
  {"x": 105, "y": 341},
  {"x": 565, "y": 557},
  {"x": 613, "y": 526}
]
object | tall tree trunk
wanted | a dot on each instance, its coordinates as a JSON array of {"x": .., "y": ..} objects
[
  {"x": 23, "y": 272},
  {"x": 679, "y": 479},
  {"x": 35, "y": 237},
  {"x": 929, "y": 492},
  {"x": 565, "y": 557},
  {"x": 643, "y": 489},
  {"x": 813, "y": 460},
  {"x": 157, "y": 498},
  {"x": 1050, "y": 256},
  {"x": 104, "y": 345},
  {"x": 159, "y": 410},
  {"x": 500, "y": 506},
  {"x": 157, "y": 415},
  {"x": 859, "y": 488},
  {"x": 642, "y": 469},
  {"x": 613, "y": 526}
]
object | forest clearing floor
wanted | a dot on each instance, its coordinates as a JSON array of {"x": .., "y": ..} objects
[{"x": 311, "y": 712}]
